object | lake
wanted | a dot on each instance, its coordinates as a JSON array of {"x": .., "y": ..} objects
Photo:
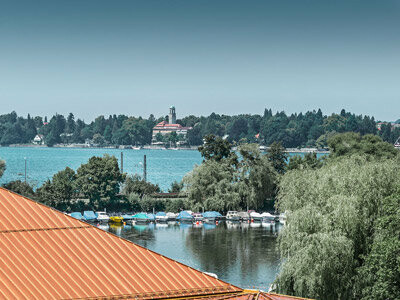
[
  {"x": 237, "y": 253},
  {"x": 163, "y": 166}
]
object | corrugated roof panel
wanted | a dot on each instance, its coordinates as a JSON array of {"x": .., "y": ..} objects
[{"x": 46, "y": 254}]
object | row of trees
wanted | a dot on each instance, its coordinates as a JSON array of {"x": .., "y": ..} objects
[
  {"x": 295, "y": 130},
  {"x": 342, "y": 239}
]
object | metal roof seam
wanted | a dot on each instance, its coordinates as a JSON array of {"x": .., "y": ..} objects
[{"x": 42, "y": 229}]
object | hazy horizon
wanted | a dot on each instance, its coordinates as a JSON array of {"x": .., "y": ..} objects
[{"x": 229, "y": 57}]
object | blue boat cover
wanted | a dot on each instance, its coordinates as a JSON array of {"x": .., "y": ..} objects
[
  {"x": 211, "y": 214},
  {"x": 184, "y": 215},
  {"x": 141, "y": 216},
  {"x": 77, "y": 215},
  {"x": 89, "y": 215},
  {"x": 161, "y": 214},
  {"x": 151, "y": 217},
  {"x": 127, "y": 217}
]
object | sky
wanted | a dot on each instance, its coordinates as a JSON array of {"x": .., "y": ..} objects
[{"x": 96, "y": 57}]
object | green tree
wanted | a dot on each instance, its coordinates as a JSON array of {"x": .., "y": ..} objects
[
  {"x": 309, "y": 160},
  {"x": 176, "y": 187},
  {"x": 99, "y": 178},
  {"x": 215, "y": 148},
  {"x": 136, "y": 185},
  {"x": 20, "y": 187},
  {"x": 2, "y": 167},
  {"x": 278, "y": 157}
]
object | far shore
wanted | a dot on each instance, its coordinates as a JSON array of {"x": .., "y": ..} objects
[{"x": 155, "y": 147}]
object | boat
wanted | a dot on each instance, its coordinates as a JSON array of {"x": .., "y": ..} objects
[
  {"x": 185, "y": 217},
  {"x": 198, "y": 217},
  {"x": 102, "y": 217},
  {"x": 141, "y": 218},
  {"x": 171, "y": 216},
  {"x": 267, "y": 220},
  {"x": 127, "y": 218},
  {"x": 255, "y": 217},
  {"x": 232, "y": 216},
  {"x": 244, "y": 216},
  {"x": 89, "y": 216},
  {"x": 161, "y": 217},
  {"x": 151, "y": 217},
  {"x": 76, "y": 215},
  {"x": 116, "y": 219},
  {"x": 211, "y": 216}
]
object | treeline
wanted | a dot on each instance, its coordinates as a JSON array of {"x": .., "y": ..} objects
[
  {"x": 311, "y": 129},
  {"x": 97, "y": 185}
]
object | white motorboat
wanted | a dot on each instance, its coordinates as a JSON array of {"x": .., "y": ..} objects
[
  {"x": 198, "y": 217},
  {"x": 161, "y": 217},
  {"x": 255, "y": 217},
  {"x": 232, "y": 216},
  {"x": 171, "y": 216},
  {"x": 102, "y": 217},
  {"x": 244, "y": 216},
  {"x": 267, "y": 220}
]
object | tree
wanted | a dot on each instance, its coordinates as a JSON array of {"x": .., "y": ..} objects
[
  {"x": 331, "y": 213},
  {"x": 136, "y": 185},
  {"x": 309, "y": 160},
  {"x": 20, "y": 187},
  {"x": 99, "y": 178},
  {"x": 351, "y": 143},
  {"x": 176, "y": 187},
  {"x": 2, "y": 167},
  {"x": 278, "y": 157},
  {"x": 215, "y": 148},
  {"x": 380, "y": 275}
]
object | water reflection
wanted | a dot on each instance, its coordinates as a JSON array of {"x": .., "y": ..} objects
[{"x": 240, "y": 253}]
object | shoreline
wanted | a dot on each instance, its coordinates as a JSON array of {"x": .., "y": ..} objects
[{"x": 150, "y": 147}]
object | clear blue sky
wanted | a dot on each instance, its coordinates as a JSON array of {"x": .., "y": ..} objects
[{"x": 93, "y": 57}]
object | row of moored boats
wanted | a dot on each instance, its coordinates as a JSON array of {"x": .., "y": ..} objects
[{"x": 185, "y": 216}]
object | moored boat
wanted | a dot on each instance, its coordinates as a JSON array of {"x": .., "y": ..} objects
[
  {"x": 255, "y": 217},
  {"x": 76, "y": 215},
  {"x": 141, "y": 218},
  {"x": 102, "y": 217},
  {"x": 171, "y": 216},
  {"x": 232, "y": 216},
  {"x": 185, "y": 217},
  {"x": 244, "y": 216},
  {"x": 161, "y": 217},
  {"x": 127, "y": 218},
  {"x": 197, "y": 217},
  {"x": 211, "y": 216},
  {"x": 268, "y": 220},
  {"x": 89, "y": 216},
  {"x": 116, "y": 219}
]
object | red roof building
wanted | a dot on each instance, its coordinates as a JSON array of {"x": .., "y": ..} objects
[{"x": 46, "y": 254}]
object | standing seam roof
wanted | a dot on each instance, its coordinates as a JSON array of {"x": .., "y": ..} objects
[{"x": 47, "y": 254}]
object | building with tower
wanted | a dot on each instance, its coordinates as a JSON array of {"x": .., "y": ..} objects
[{"x": 164, "y": 129}]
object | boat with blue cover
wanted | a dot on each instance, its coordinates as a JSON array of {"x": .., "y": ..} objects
[
  {"x": 151, "y": 217},
  {"x": 161, "y": 217},
  {"x": 211, "y": 216},
  {"x": 76, "y": 215},
  {"x": 184, "y": 217},
  {"x": 141, "y": 218},
  {"x": 89, "y": 216},
  {"x": 127, "y": 217}
]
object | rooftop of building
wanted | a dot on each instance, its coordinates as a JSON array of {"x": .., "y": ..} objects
[{"x": 46, "y": 254}]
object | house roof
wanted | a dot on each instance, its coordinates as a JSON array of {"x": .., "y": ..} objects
[{"x": 46, "y": 254}]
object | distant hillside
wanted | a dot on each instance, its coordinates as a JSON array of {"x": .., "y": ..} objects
[{"x": 398, "y": 121}]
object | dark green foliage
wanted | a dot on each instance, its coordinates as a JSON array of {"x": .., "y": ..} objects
[
  {"x": 135, "y": 185},
  {"x": 215, "y": 148},
  {"x": 20, "y": 187},
  {"x": 309, "y": 160},
  {"x": 2, "y": 167},
  {"x": 351, "y": 143},
  {"x": 380, "y": 274},
  {"x": 176, "y": 187},
  {"x": 100, "y": 178},
  {"x": 278, "y": 157}
]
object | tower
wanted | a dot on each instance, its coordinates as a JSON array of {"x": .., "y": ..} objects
[{"x": 172, "y": 115}]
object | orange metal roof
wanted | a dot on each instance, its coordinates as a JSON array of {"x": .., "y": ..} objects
[
  {"x": 46, "y": 254},
  {"x": 251, "y": 295}
]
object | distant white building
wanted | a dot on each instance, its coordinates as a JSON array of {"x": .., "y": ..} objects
[{"x": 39, "y": 139}]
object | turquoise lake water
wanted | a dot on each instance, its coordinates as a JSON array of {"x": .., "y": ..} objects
[{"x": 163, "y": 166}]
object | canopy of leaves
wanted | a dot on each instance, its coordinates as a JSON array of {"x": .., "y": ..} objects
[
  {"x": 278, "y": 157},
  {"x": 20, "y": 187},
  {"x": 2, "y": 167},
  {"x": 331, "y": 214},
  {"x": 136, "y": 185}
]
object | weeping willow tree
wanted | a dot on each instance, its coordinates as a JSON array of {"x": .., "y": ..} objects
[
  {"x": 232, "y": 182},
  {"x": 331, "y": 222}
]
